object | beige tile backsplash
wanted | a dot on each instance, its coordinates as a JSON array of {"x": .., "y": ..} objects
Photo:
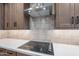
[
  {"x": 62, "y": 36},
  {"x": 3, "y": 33},
  {"x": 42, "y": 23},
  {"x": 20, "y": 34}
]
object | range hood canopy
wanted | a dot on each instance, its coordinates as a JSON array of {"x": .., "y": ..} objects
[{"x": 39, "y": 10}]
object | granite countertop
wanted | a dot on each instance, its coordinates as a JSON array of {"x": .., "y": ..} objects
[
  {"x": 13, "y": 44},
  {"x": 59, "y": 48}
]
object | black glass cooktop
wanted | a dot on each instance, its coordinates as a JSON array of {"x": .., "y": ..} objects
[{"x": 41, "y": 47}]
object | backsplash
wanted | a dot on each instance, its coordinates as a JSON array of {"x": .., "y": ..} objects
[
  {"x": 64, "y": 36},
  {"x": 61, "y": 36},
  {"x": 3, "y": 34},
  {"x": 40, "y": 35},
  {"x": 42, "y": 23},
  {"x": 20, "y": 34}
]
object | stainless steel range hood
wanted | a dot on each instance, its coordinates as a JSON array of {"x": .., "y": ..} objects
[{"x": 39, "y": 10}]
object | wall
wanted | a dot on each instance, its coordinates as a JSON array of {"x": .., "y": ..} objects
[
  {"x": 36, "y": 35},
  {"x": 3, "y": 34},
  {"x": 17, "y": 34},
  {"x": 42, "y": 23},
  {"x": 61, "y": 36},
  {"x": 64, "y": 36},
  {"x": 40, "y": 35},
  {"x": 20, "y": 34}
]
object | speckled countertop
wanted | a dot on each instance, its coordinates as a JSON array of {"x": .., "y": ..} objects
[
  {"x": 13, "y": 44},
  {"x": 59, "y": 48}
]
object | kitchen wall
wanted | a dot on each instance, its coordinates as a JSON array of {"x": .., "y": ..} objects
[
  {"x": 40, "y": 35},
  {"x": 60, "y": 36},
  {"x": 37, "y": 35},
  {"x": 20, "y": 34},
  {"x": 3, "y": 34},
  {"x": 64, "y": 36},
  {"x": 42, "y": 23}
]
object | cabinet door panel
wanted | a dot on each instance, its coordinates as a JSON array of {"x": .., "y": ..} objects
[
  {"x": 11, "y": 53},
  {"x": 1, "y": 16},
  {"x": 76, "y": 15},
  {"x": 2, "y": 50},
  {"x": 14, "y": 16},
  {"x": 7, "y": 17},
  {"x": 64, "y": 14}
]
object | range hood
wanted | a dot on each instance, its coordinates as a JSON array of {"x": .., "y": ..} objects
[{"x": 39, "y": 10}]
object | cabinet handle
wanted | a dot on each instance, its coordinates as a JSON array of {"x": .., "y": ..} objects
[
  {"x": 72, "y": 20},
  {"x": 7, "y": 24},
  {"x": 9, "y": 53},
  {"x": 77, "y": 20},
  {"x": 15, "y": 24}
]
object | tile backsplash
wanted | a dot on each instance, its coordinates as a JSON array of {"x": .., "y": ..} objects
[
  {"x": 40, "y": 35},
  {"x": 3, "y": 34},
  {"x": 64, "y": 36},
  {"x": 42, "y": 23},
  {"x": 20, "y": 34},
  {"x": 61, "y": 36}
]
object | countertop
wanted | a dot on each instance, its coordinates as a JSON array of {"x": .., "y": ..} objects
[
  {"x": 13, "y": 44},
  {"x": 59, "y": 48}
]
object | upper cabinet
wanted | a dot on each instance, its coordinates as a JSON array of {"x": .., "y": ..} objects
[
  {"x": 12, "y": 16},
  {"x": 1, "y": 16},
  {"x": 67, "y": 16},
  {"x": 15, "y": 17}
]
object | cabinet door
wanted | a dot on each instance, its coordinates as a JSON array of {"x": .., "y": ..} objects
[
  {"x": 7, "y": 17},
  {"x": 17, "y": 18},
  {"x": 11, "y": 53},
  {"x": 76, "y": 15},
  {"x": 2, "y": 50},
  {"x": 64, "y": 15},
  {"x": 1, "y": 16},
  {"x": 14, "y": 16}
]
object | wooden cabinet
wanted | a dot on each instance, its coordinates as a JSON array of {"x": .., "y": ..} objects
[
  {"x": 5, "y": 52},
  {"x": 67, "y": 16},
  {"x": 2, "y": 50},
  {"x": 1, "y": 16},
  {"x": 14, "y": 16},
  {"x": 76, "y": 15},
  {"x": 11, "y": 53}
]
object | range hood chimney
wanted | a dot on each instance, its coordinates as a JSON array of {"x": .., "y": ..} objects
[{"x": 39, "y": 9}]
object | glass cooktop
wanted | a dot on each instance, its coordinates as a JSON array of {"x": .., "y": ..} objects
[{"x": 41, "y": 47}]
